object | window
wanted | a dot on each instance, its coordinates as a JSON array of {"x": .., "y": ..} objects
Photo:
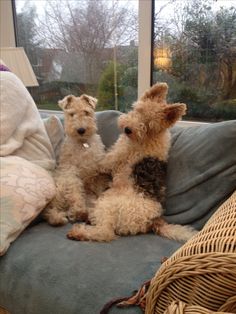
[
  {"x": 194, "y": 51},
  {"x": 80, "y": 47}
]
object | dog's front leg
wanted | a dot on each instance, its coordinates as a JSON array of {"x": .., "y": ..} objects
[
  {"x": 76, "y": 197},
  {"x": 107, "y": 164},
  {"x": 55, "y": 212},
  {"x": 114, "y": 156}
]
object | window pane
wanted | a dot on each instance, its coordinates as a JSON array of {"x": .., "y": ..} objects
[
  {"x": 195, "y": 53},
  {"x": 80, "y": 47}
]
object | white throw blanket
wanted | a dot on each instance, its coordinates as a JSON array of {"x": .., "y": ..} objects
[{"x": 22, "y": 132}]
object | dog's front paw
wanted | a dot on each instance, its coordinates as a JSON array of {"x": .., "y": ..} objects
[{"x": 76, "y": 233}]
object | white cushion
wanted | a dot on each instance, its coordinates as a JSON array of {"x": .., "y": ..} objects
[
  {"x": 25, "y": 190},
  {"x": 22, "y": 132}
]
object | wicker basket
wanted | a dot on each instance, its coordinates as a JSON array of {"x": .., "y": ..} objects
[
  {"x": 201, "y": 276},
  {"x": 3, "y": 311}
]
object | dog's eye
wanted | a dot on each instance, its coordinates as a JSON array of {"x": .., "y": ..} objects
[{"x": 71, "y": 114}]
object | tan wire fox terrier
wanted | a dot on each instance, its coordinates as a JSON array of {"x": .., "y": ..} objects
[
  {"x": 77, "y": 176},
  {"x": 137, "y": 163}
]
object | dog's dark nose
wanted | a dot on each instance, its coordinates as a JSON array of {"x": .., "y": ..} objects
[
  {"x": 128, "y": 130},
  {"x": 81, "y": 131}
]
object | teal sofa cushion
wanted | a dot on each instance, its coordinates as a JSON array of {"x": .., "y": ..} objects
[
  {"x": 201, "y": 171},
  {"x": 107, "y": 126},
  {"x": 45, "y": 273}
]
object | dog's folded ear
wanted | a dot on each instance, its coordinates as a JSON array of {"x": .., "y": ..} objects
[
  {"x": 65, "y": 103},
  {"x": 173, "y": 113},
  {"x": 156, "y": 93},
  {"x": 90, "y": 100}
]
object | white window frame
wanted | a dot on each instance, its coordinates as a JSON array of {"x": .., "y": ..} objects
[
  {"x": 145, "y": 45},
  {"x": 7, "y": 30}
]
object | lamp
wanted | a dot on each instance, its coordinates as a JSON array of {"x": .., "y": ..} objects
[
  {"x": 17, "y": 61},
  {"x": 162, "y": 58}
]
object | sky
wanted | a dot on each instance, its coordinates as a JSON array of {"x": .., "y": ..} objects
[
  {"x": 216, "y": 6},
  {"x": 169, "y": 10},
  {"x": 40, "y": 4}
]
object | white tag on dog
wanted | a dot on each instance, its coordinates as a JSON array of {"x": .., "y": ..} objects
[{"x": 86, "y": 145}]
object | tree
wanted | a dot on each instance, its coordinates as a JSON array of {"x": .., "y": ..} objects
[
  {"x": 212, "y": 41},
  {"x": 202, "y": 43},
  {"x": 201, "y": 40},
  {"x": 129, "y": 83},
  {"x": 121, "y": 91},
  {"x": 27, "y": 35},
  {"x": 226, "y": 48},
  {"x": 106, "y": 90},
  {"x": 87, "y": 28}
]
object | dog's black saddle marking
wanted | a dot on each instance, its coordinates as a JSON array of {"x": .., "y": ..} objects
[{"x": 150, "y": 177}]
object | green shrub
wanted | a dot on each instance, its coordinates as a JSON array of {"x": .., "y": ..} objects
[
  {"x": 225, "y": 110},
  {"x": 201, "y": 102},
  {"x": 106, "y": 91}
]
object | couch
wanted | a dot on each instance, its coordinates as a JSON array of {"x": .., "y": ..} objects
[{"x": 41, "y": 271}]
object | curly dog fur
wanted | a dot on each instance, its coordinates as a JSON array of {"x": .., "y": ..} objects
[
  {"x": 77, "y": 175},
  {"x": 137, "y": 163}
]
